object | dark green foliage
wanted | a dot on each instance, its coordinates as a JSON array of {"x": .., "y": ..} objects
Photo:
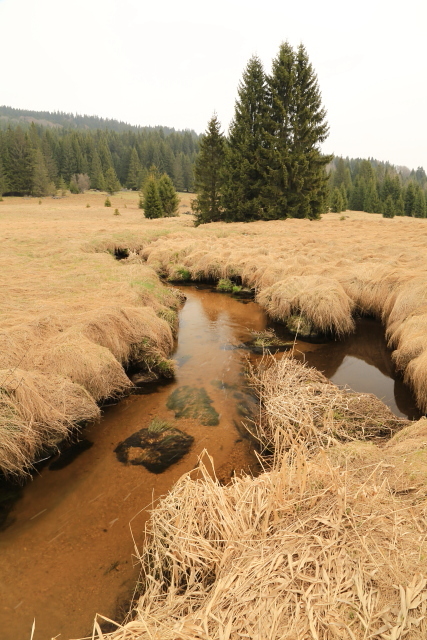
[
  {"x": 41, "y": 184},
  {"x": 133, "y": 180},
  {"x": 168, "y": 196},
  {"x": 370, "y": 184},
  {"x": 3, "y": 181},
  {"x": 209, "y": 174},
  {"x": 274, "y": 167},
  {"x": 111, "y": 182},
  {"x": 107, "y": 202},
  {"x": 371, "y": 202},
  {"x": 246, "y": 189},
  {"x": 97, "y": 176},
  {"x": 152, "y": 203},
  {"x": 307, "y": 176},
  {"x": 67, "y": 152},
  {"x": 419, "y": 202},
  {"x": 18, "y": 161},
  {"x": 410, "y": 200},
  {"x": 337, "y": 204},
  {"x": 193, "y": 402},
  {"x": 388, "y": 208}
]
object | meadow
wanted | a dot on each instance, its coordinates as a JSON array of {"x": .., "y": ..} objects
[{"x": 328, "y": 542}]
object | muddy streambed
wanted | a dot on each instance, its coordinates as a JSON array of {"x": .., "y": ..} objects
[{"x": 68, "y": 546}]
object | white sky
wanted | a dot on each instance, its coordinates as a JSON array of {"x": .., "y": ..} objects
[{"x": 174, "y": 62}]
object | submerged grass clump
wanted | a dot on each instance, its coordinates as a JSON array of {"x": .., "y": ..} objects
[
  {"x": 156, "y": 447},
  {"x": 193, "y": 402}
]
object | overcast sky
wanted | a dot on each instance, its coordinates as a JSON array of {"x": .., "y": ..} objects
[{"x": 174, "y": 63}]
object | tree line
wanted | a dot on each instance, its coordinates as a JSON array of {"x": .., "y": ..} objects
[
  {"x": 377, "y": 187},
  {"x": 24, "y": 117},
  {"x": 270, "y": 165},
  {"x": 38, "y": 160}
]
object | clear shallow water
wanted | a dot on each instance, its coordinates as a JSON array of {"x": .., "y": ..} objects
[{"x": 67, "y": 551}]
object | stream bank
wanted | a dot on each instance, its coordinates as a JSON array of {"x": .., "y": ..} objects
[{"x": 67, "y": 547}]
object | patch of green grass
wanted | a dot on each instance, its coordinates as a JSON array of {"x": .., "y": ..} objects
[
  {"x": 157, "y": 425},
  {"x": 225, "y": 285}
]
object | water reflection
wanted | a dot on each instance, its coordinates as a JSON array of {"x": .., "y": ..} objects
[{"x": 363, "y": 362}]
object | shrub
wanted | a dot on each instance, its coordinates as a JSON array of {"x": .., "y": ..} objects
[{"x": 107, "y": 202}]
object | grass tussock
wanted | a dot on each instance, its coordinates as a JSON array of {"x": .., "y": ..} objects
[
  {"x": 37, "y": 411},
  {"x": 329, "y": 543},
  {"x": 307, "y": 407},
  {"x": 326, "y": 272},
  {"x": 73, "y": 317}
]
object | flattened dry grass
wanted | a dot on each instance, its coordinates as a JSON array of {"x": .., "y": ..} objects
[
  {"x": 72, "y": 317},
  {"x": 324, "y": 545}
]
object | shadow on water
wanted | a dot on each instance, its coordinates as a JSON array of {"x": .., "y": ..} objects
[{"x": 66, "y": 546}]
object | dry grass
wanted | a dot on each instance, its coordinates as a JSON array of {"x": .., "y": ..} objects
[
  {"x": 325, "y": 545},
  {"x": 327, "y": 271},
  {"x": 72, "y": 316},
  {"x": 307, "y": 407}
]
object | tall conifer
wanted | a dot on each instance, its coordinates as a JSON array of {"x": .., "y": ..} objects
[
  {"x": 133, "y": 180},
  {"x": 209, "y": 174},
  {"x": 97, "y": 179},
  {"x": 111, "y": 182},
  {"x": 244, "y": 192},
  {"x": 168, "y": 196},
  {"x": 308, "y": 179},
  {"x": 152, "y": 203}
]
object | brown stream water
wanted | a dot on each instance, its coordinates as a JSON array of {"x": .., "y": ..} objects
[{"x": 66, "y": 548}]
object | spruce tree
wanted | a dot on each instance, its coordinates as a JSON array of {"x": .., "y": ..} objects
[
  {"x": 111, "y": 182},
  {"x": 152, "y": 203},
  {"x": 343, "y": 191},
  {"x": 308, "y": 179},
  {"x": 337, "y": 204},
  {"x": 209, "y": 174},
  {"x": 281, "y": 87},
  {"x": 400, "y": 206},
  {"x": 371, "y": 203},
  {"x": 178, "y": 173},
  {"x": 133, "y": 180},
  {"x": 245, "y": 191},
  {"x": 3, "y": 181},
  {"x": 97, "y": 179},
  {"x": 419, "y": 202},
  {"x": 388, "y": 207},
  {"x": 168, "y": 196},
  {"x": 41, "y": 182},
  {"x": 410, "y": 200},
  {"x": 18, "y": 161}
]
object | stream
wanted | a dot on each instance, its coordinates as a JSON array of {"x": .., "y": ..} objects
[{"x": 69, "y": 544}]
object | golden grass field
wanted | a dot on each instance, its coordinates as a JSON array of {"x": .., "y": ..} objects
[
  {"x": 329, "y": 543},
  {"x": 72, "y": 315}
]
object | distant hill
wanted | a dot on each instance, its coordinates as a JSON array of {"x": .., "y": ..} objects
[{"x": 62, "y": 120}]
